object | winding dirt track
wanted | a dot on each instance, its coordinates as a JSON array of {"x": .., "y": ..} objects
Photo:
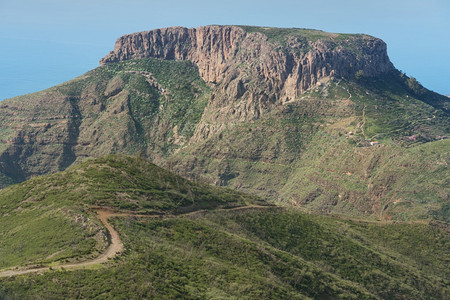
[{"x": 115, "y": 246}]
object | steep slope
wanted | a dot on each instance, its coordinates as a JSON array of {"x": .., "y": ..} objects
[
  {"x": 253, "y": 108},
  {"x": 317, "y": 153},
  {"x": 117, "y": 108},
  {"x": 254, "y": 73}
]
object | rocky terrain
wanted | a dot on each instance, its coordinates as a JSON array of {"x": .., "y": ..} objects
[
  {"x": 300, "y": 117},
  {"x": 254, "y": 74},
  {"x": 111, "y": 175}
]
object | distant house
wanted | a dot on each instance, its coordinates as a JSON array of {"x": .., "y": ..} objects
[{"x": 373, "y": 143}]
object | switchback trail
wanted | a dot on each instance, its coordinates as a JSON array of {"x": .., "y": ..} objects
[{"x": 116, "y": 245}]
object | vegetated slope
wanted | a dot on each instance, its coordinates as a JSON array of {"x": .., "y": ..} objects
[
  {"x": 269, "y": 111},
  {"x": 147, "y": 106},
  {"x": 317, "y": 152},
  {"x": 268, "y": 253},
  {"x": 49, "y": 219}
]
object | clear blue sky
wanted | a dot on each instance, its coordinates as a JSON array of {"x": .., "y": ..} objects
[{"x": 46, "y": 42}]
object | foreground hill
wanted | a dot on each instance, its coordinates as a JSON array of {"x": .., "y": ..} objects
[
  {"x": 218, "y": 245},
  {"x": 50, "y": 219},
  {"x": 300, "y": 117}
]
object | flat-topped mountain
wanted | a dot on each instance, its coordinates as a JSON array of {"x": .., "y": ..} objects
[
  {"x": 306, "y": 55},
  {"x": 283, "y": 64},
  {"x": 302, "y": 117}
]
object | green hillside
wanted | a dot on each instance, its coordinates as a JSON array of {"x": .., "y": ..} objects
[
  {"x": 235, "y": 252},
  {"x": 147, "y": 106},
  {"x": 49, "y": 219},
  {"x": 228, "y": 162},
  {"x": 316, "y": 152},
  {"x": 298, "y": 117}
]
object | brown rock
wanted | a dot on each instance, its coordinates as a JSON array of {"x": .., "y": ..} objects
[{"x": 251, "y": 73}]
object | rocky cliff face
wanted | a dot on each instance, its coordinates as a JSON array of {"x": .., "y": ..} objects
[
  {"x": 287, "y": 114},
  {"x": 251, "y": 73},
  {"x": 215, "y": 49}
]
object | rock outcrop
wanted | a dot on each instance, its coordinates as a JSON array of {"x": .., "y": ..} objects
[
  {"x": 252, "y": 73},
  {"x": 283, "y": 113},
  {"x": 214, "y": 49}
]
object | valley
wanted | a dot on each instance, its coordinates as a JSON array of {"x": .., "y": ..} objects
[{"x": 228, "y": 162}]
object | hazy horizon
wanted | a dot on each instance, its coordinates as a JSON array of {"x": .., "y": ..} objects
[{"x": 47, "y": 43}]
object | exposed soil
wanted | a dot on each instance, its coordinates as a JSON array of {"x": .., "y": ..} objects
[
  {"x": 115, "y": 247},
  {"x": 115, "y": 244}
]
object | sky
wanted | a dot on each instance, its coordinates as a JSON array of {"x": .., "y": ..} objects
[{"x": 47, "y": 42}]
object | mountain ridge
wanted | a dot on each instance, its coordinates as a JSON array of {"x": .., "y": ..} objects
[
  {"x": 255, "y": 112},
  {"x": 222, "y": 54},
  {"x": 337, "y": 182}
]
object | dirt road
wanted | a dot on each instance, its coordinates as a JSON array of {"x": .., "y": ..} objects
[
  {"x": 116, "y": 245},
  {"x": 113, "y": 249}
]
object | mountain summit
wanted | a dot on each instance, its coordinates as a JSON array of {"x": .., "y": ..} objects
[
  {"x": 298, "y": 116},
  {"x": 301, "y": 118},
  {"x": 283, "y": 62},
  {"x": 302, "y": 54}
]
